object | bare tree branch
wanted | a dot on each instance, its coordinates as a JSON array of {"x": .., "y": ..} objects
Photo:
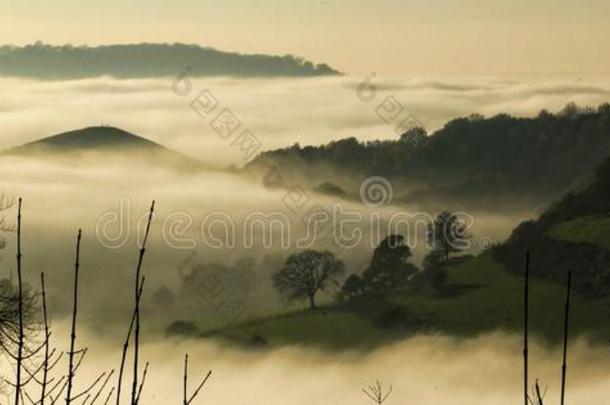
[
  {"x": 136, "y": 343},
  {"x": 126, "y": 346},
  {"x": 74, "y": 313},
  {"x": 186, "y": 400},
  {"x": 20, "y": 292}
]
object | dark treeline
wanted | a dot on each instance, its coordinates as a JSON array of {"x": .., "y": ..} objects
[
  {"x": 470, "y": 159},
  {"x": 147, "y": 60}
]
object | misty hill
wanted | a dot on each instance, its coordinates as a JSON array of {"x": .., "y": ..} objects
[
  {"x": 573, "y": 234},
  {"x": 147, "y": 60},
  {"x": 107, "y": 142},
  {"x": 471, "y": 162}
]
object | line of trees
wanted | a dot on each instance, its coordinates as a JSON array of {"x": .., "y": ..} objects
[
  {"x": 306, "y": 273},
  {"x": 471, "y": 157}
]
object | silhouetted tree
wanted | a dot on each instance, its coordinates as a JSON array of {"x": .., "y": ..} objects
[
  {"x": 448, "y": 234},
  {"x": 306, "y": 273},
  {"x": 604, "y": 108},
  {"x": 433, "y": 274},
  {"x": 414, "y": 136},
  {"x": 571, "y": 110},
  {"x": 11, "y": 306},
  {"x": 389, "y": 267},
  {"x": 353, "y": 286},
  {"x": 9, "y": 312}
]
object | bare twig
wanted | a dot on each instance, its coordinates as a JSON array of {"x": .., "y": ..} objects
[
  {"x": 537, "y": 395},
  {"x": 83, "y": 353},
  {"x": 186, "y": 400},
  {"x": 126, "y": 346},
  {"x": 375, "y": 392},
  {"x": 109, "y": 395},
  {"x": 89, "y": 388},
  {"x": 142, "y": 383},
  {"x": 57, "y": 384}
]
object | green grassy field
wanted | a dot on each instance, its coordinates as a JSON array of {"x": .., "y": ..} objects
[
  {"x": 492, "y": 298},
  {"x": 594, "y": 230},
  {"x": 487, "y": 298},
  {"x": 329, "y": 328}
]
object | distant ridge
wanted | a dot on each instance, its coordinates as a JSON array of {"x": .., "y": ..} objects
[
  {"x": 147, "y": 60},
  {"x": 105, "y": 140},
  {"x": 471, "y": 161},
  {"x": 97, "y": 137}
]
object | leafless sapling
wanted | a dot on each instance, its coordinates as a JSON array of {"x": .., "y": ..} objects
[
  {"x": 186, "y": 399},
  {"x": 375, "y": 392}
]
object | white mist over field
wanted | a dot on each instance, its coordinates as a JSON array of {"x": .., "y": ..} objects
[
  {"x": 486, "y": 369},
  {"x": 109, "y": 200}
]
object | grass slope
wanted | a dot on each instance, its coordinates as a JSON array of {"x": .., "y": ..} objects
[
  {"x": 329, "y": 328},
  {"x": 488, "y": 298},
  {"x": 592, "y": 230},
  {"x": 492, "y": 298}
]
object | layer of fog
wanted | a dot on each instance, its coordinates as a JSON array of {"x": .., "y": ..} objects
[
  {"x": 486, "y": 369},
  {"x": 59, "y": 197},
  {"x": 109, "y": 200},
  {"x": 279, "y": 112}
]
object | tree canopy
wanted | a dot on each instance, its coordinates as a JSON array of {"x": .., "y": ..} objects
[
  {"x": 306, "y": 273},
  {"x": 448, "y": 234}
]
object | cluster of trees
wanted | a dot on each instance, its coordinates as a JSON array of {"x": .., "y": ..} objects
[
  {"x": 306, "y": 273},
  {"x": 389, "y": 267}
]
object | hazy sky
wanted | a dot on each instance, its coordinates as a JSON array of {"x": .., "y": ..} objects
[{"x": 356, "y": 36}]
